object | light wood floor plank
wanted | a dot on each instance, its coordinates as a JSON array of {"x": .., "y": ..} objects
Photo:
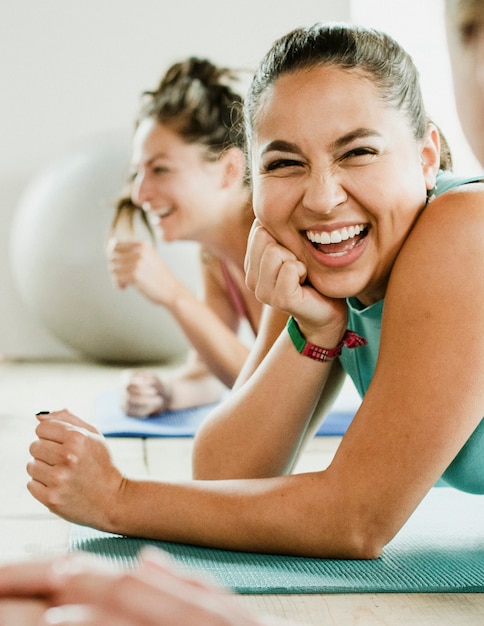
[{"x": 27, "y": 529}]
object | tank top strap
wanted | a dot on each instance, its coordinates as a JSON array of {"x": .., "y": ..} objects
[{"x": 236, "y": 296}]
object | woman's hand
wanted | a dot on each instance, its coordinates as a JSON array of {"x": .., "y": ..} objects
[
  {"x": 24, "y": 612},
  {"x": 278, "y": 279},
  {"x": 144, "y": 394},
  {"x": 190, "y": 385},
  {"x": 138, "y": 264},
  {"x": 78, "y": 590},
  {"x": 72, "y": 472}
]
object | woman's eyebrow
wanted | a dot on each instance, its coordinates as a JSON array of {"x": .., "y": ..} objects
[
  {"x": 155, "y": 157},
  {"x": 359, "y": 133},
  {"x": 279, "y": 145},
  {"x": 150, "y": 161}
]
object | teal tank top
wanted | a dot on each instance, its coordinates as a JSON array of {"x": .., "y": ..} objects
[{"x": 466, "y": 472}]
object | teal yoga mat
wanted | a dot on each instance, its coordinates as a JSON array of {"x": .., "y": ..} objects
[
  {"x": 113, "y": 422},
  {"x": 440, "y": 549}
]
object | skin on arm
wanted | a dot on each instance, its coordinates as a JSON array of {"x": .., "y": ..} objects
[
  {"x": 422, "y": 406},
  {"x": 272, "y": 323},
  {"x": 229, "y": 353},
  {"x": 247, "y": 436},
  {"x": 69, "y": 457},
  {"x": 426, "y": 396},
  {"x": 192, "y": 384},
  {"x": 214, "y": 456},
  {"x": 70, "y": 454},
  {"x": 210, "y": 324}
]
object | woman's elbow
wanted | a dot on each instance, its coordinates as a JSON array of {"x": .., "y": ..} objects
[
  {"x": 350, "y": 546},
  {"x": 365, "y": 539},
  {"x": 205, "y": 457},
  {"x": 364, "y": 547}
]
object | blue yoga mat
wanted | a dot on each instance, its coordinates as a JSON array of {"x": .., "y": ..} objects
[
  {"x": 440, "y": 549},
  {"x": 113, "y": 422}
]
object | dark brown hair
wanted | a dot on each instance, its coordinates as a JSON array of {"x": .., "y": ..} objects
[{"x": 375, "y": 54}]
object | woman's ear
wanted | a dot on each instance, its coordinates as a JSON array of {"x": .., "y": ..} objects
[
  {"x": 233, "y": 162},
  {"x": 430, "y": 155}
]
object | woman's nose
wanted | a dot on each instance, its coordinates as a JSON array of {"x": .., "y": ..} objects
[
  {"x": 323, "y": 193},
  {"x": 141, "y": 190}
]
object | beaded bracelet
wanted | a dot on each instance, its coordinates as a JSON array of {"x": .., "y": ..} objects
[{"x": 350, "y": 340}]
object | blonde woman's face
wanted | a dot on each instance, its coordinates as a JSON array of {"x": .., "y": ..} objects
[
  {"x": 173, "y": 182},
  {"x": 465, "y": 33}
]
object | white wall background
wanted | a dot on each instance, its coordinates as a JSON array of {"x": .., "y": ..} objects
[
  {"x": 70, "y": 69},
  {"x": 420, "y": 27}
]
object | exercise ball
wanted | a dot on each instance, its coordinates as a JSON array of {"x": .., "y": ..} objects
[{"x": 58, "y": 260}]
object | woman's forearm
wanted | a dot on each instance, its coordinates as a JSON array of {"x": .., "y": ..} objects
[
  {"x": 193, "y": 384},
  {"x": 298, "y": 514},
  {"x": 216, "y": 343},
  {"x": 257, "y": 432}
]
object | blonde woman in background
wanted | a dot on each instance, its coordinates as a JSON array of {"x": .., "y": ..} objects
[{"x": 189, "y": 181}]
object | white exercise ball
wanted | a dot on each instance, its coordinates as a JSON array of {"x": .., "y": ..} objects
[{"x": 58, "y": 259}]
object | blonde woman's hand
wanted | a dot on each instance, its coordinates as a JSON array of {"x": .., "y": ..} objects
[
  {"x": 138, "y": 264},
  {"x": 144, "y": 394}
]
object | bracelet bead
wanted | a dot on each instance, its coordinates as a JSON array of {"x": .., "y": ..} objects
[{"x": 350, "y": 340}]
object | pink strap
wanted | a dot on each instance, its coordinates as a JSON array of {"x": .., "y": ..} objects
[{"x": 236, "y": 296}]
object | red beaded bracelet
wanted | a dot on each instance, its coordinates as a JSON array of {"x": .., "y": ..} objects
[{"x": 350, "y": 340}]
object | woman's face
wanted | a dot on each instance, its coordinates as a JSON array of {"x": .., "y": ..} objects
[
  {"x": 174, "y": 183},
  {"x": 466, "y": 45},
  {"x": 338, "y": 178}
]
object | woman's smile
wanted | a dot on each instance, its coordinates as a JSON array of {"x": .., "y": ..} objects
[
  {"x": 327, "y": 241},
  {"x": 340, "y": 246}
]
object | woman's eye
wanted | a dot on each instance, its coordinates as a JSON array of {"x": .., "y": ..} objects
[
  {"x": 359, "y": 154},
  {"x": 280, "y": 164},
  {"x": 469, "y": 30}
]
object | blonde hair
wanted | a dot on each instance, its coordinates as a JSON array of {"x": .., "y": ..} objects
[{"x": 200, "y": 102}]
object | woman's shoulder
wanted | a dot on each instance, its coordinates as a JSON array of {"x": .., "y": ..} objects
[
  {"x": 454, "y": 198},
  {"x": 460, "y": 205},
  {"x": 447, "y": 237}
]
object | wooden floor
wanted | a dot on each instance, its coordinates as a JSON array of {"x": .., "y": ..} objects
[{"x": 28, "y": 529}]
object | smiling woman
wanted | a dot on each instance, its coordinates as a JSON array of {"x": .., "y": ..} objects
[
  {"x": 339, "y": 140},
  {"x": 424, "y": 403},
  {"x": 189, "y": 183}
]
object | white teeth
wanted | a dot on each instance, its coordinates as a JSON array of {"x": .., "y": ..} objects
[
  {"x": 154, "y": 217},
  {"x": 335, "y": 236}
]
